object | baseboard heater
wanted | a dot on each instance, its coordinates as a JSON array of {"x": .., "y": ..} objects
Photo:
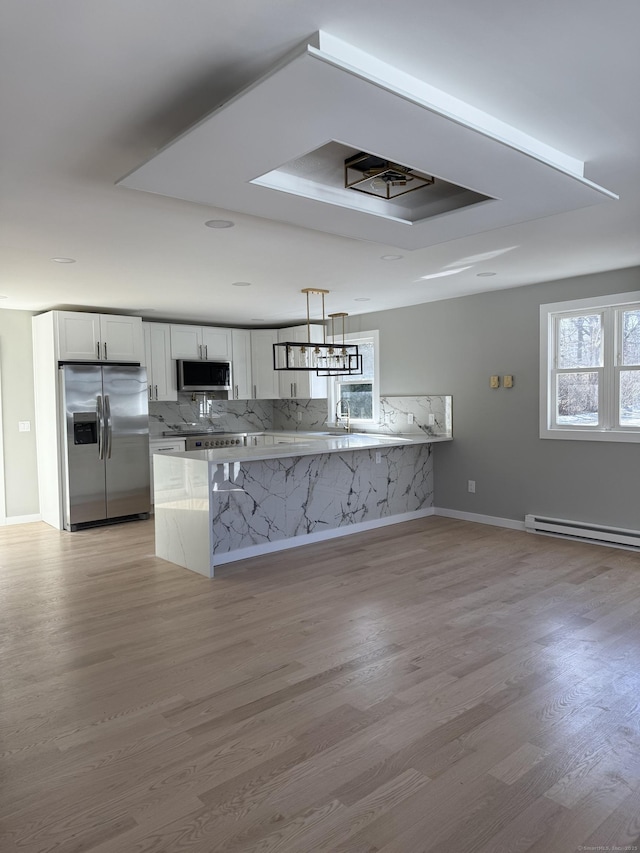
[{"x": 614, "y": 536}]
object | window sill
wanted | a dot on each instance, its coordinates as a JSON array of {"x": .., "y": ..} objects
[{"x": 630, "y": 436}]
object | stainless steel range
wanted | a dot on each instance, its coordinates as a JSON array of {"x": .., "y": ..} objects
[{"x": 219, "y": 439}]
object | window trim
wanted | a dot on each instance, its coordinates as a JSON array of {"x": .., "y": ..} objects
[
  {"x": 610, "y": 370},
  {"x": 332, "y": 400}
]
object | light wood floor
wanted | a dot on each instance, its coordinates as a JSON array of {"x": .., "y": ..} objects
[{"x": 433, "y": 686}]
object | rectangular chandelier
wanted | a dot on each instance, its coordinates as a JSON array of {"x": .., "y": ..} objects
[{"x": 326, "y": 359}]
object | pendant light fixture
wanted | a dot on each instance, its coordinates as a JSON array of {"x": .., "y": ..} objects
[
  {"x": 342, "y": 359},
  {"x": 326, "y": 359}
]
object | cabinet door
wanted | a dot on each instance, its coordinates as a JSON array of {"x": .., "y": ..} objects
[
  {"x": 241, "y": 364},
  {"x": 186, "y": 342},
  {"x": 302, "y": 384},
  {"x": 161, "y": 368},
  {"x": 121, "y": 338},
  {"x": 287, "y": 378},
  {"x": 264, "y": 377},
  {"x": 315, "y": 387},
  {"x": 217, "y": 343},
  {"x": 78, "y": 336}
]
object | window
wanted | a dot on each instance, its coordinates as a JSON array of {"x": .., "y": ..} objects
[
  {"x": 360, "y": 392},
  {"x": 590, "y": 369}
]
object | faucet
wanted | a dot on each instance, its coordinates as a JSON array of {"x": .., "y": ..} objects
[{"x": 340, "y": 406}]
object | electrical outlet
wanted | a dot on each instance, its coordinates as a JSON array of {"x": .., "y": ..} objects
[
  {"x": 472, "y": 487},
  {"x": 378, "y": 457},
  {"x": 299, "y": 417},
  {"x": 24, "y": 426},
  {"x": 410, "y": 418},
  {"x": 432, "y": 420}
]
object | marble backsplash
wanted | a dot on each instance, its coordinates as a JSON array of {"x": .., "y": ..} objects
[
  {"x": 259, "y": 415},
  {"x": 394, "y": 415},
  {"x": 300, "y": 414},
  {"x": 431, "y": 415},
  {"x": 206, "y": 414}
]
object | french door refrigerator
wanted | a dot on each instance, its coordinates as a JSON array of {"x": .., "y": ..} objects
[{"x": 105, "y": 421}]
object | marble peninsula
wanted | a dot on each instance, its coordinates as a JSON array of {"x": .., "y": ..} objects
[{"x": 216, "y": 506}]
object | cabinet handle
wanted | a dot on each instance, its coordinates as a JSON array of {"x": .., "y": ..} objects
[
  {"x": 295, "y": 389},
  {"x": 255, "y": 393},
  {"x": 150, "y": 394},
  {"x": 105, "y": 351},
  {"x": 156, "y": 392},
  {"x": 206, "y": 350},
  {"x": 200, "y": 348},
  {"x": 236, "y": 392},
  {"x": 98, "y": 349}
]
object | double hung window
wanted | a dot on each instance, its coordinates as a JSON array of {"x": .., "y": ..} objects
[
  {"x": 360, "y": 393},
  {"x": 590, "y": 369}
]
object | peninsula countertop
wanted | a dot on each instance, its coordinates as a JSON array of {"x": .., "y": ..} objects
[{"x": 306, "y": 444}]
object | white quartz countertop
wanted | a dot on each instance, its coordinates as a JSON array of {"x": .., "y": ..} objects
[{"x": 306, "y": 444}]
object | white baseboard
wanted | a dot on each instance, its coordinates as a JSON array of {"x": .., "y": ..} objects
[
  {"x": 321, "y": 536},
  {"x": 21, "y": 519},
  {"x": 478, "y": 518}
]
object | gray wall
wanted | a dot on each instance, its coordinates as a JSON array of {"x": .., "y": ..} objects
[
  {"x": 16, "y": 364},
  {"x": 452, "y": 347}
]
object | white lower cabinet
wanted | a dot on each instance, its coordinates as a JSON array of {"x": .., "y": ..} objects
[{"x": 164, "y": 445}]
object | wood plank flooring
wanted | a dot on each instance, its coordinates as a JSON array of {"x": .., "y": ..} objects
[{"x": 431, "y": 686}]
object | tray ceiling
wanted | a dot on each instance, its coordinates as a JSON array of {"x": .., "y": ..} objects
[{"x": 330, "y": 96}]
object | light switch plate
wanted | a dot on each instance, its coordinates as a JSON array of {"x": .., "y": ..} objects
[
  {"x": 494, "y": 382},
  {"x": 508, "y": 382}
]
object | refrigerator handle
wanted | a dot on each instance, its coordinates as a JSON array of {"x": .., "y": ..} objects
[
  {"x": 107, "y": 423},
  {"x": 100, "y": 427}
]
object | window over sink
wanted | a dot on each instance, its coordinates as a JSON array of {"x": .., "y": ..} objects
[{"x": 360, "y": 393}]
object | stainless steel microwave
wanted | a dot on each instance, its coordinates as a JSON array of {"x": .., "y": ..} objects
[{"x": 204, "y": 375}]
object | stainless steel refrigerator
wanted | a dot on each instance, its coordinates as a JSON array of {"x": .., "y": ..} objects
[{"x": 105, "y": 419}]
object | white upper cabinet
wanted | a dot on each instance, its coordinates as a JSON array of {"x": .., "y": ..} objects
[
  {"x": 217, "y": 343},
  {"x": 241, "y": 364},
  {"x": 161, "y": 368},
  {"x": 82, "y": 336},
  {"x": 208, "y": 343},
  {"x": 302, "y": 384},
  {"x": 264, "y": 378}
]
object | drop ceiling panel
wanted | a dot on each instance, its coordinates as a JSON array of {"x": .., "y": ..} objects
[{"x": 318, "y": 98}]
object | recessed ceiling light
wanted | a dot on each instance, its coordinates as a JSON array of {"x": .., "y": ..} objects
[
  {"x": 484, "y": 274},
  {"x": 219, "y": 223},
  {"x": 391, "y": 257},
  {"x": 240, "y": 284},
  {"x": 362, "y": 299},
  {"x": 64, "y": 260}
]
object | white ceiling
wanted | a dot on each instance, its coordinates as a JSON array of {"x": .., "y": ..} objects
[{"x": 91, "y": 90}]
